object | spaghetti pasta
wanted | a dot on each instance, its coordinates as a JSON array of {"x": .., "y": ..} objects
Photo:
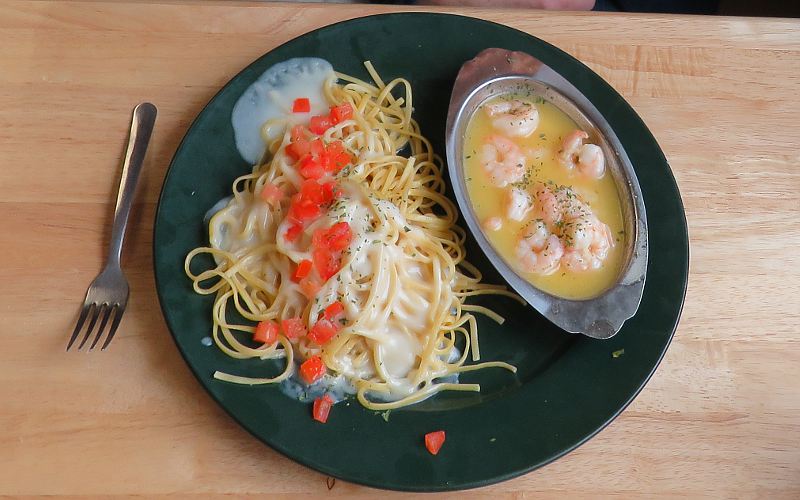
[{"x": 384, "y": 245}]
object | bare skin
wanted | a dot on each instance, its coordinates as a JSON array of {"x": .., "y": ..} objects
[{"x": 525, "y": 4}]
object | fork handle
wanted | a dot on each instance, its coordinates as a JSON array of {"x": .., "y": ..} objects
[{"x": 144, "y": 117}]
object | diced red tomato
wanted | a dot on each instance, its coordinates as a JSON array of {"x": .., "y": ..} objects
[
  {"x": 266, "y": 332},
  {"x": 339, "y": 236},
  {"x": 311, "y": 167},
  {"x": 322, "y": 407},
  {"x": 434, "y": 441},
  {"x": 326, "y": 262},
  {"x": 303, "y": 269},
  {"x": 298, "y": 133},
  {"x": 301, "y": 105},
  {"x": 338, "y": 157},
  {"x": 310, "y": 287},
  {"x": 341, "y": 113},
  {"x": 319, "y": 124},
  {"x": 326, "y": 163},
  {"x": 312, "y": 369},
  {"x": 293, "y": 232},
  {"x": 318, "y": 239},
  {"x": 334, "y": 312},
  {"x": 317, "y": 147},
  {"x": 330, "y": 191},
  {"x": 303, "y": 210},
  {"x": 322, "y": 331},
  {"x": 342, "y": 161},
  {"x": 336, "y": 148},
  {"x": 335, "y": 238},
  {"x": 293, "y": 328},
  {"x": 298, "y": 149},
  {"x": 271, "y": 193},
  {"x": 312, "y": 190}
]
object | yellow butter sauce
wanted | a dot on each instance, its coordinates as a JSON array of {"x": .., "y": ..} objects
[{"x": 490, "y": 201}]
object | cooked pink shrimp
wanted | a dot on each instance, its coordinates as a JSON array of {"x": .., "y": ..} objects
[
  {"x": 588, "y": 241},
  {"x": 588, "y": 158},
  {"x": 555, "y": 204},
  {"x": 493, "y": 224},
  {"x": 570, "y": 203},
  {"x": 518, "y": 203},
  {"x": 537, "y": 254},
  {"x": 514, "y": 117},
  {"x": 546, "y": 205},
  {"x": 503, "y": 160}
]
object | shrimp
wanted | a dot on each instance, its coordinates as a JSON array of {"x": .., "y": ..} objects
[
  {"x": 557, "y": 204},
  {"x": 539, "y": 252},
  {"x": 588, "y": 241},
  {"x": 546, "y": 205},
  {"x": 518, "y": 202},
  {"x": 493, "y": 224},
  {"x": 588, "y": 158},
  {"x": 503, "y": 161},
  {"x": 513, "y": 117},
  {"x": 579, "y": 232}
]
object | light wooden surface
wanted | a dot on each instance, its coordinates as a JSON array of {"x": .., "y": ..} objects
[{"x": 720, "y": 418}]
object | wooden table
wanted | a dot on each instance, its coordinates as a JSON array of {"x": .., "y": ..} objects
[{"x": 720, "y": 418}]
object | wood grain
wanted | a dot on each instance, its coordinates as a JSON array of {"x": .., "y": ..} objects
[{"x": 720, "y": 418}]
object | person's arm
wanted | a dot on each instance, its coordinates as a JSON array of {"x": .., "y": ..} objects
[{"x": 531, "y": 4}]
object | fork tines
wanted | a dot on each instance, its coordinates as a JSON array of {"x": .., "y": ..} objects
[{"x": 93, "y": 312}]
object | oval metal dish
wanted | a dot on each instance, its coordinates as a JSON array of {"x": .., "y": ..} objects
[{"x": 496, "y": 72}]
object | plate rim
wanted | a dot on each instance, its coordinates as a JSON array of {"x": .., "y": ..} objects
[{"x": 388, "y": 485}]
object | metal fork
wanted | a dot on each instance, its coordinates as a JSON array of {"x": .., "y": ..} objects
[{"x": 107, "y": 296}]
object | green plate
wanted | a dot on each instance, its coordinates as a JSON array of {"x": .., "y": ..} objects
[{"x": 568, "y": 387}]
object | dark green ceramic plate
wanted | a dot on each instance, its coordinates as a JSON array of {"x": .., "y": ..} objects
[{"x": 568, "y": 387}]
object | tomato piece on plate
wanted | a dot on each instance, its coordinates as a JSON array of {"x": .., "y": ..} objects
[
  {"x": 322, "y": 331},
  {"x": 326, "y": 262},
  {"x": 339, "y": 236},
  {"x": 330, "y": 191},
  {"x": 335, "y": 148},
  {"x": 317, "y": 147},
  {"x": 266, "y": 332},
  {"x": 310, "y": 287},
  {"x": 319, "y": 124},
  {"x": 303, "y": 269},
  {"x": 322, "y": 407},
  {"x": 338, "y": 157},
  {"x": 298, "y": 149},
  {"x": 303, "y": 210},
  {"x": 311, "y": 168},
  {"x": 293, "y": 328},
  {"x": 293, "y": 232},
  {"x": 327, "y": 191},
  {"x": 434, "y": 441},
  {"x": 334, "y": 312},
  {"x": 272, "y": 194},
  {"x": 326, "y": 162},
  {"x": 297, "y": 133},
  {"x": 335, "y": 238},
  {"x": 301, "y": 105},
  {"x": 341, "y": 113},
  {"x": 341, "y": 161},
  {"x": 312, "y": 190},
  {"x": 312, "y": 369}
]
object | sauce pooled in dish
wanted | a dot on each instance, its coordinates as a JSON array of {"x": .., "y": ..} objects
[{"x": 541, "y": 189}]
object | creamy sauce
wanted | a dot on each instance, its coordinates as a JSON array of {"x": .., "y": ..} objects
[
  {"x": 337, "y": 387},
  {"x": 397, "y": 331},
  {"x": 271, "y": 97},
  {"x": 541, "y": 148},
  {"x": 381, "y": 261}
]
